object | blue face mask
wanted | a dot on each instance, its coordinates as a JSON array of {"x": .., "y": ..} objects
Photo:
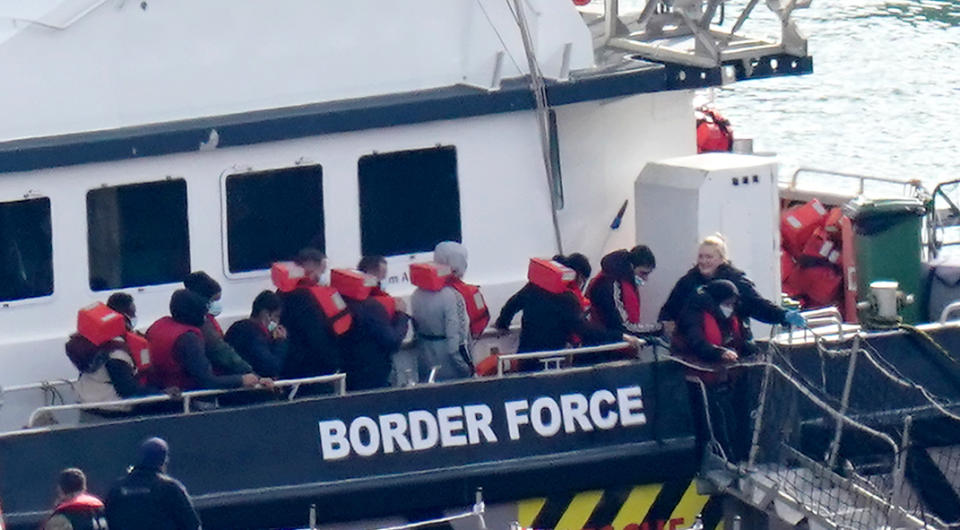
[
  {"x": 132, "y": 322},
  {"x": 639, "y": 281},
  {"x": 272, "y": 326},
  {"x": 214, "y": 308}
]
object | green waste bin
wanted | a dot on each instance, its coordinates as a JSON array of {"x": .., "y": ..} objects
[{"x": 887, "y": 242}]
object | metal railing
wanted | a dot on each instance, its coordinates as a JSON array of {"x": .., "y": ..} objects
[
  {"x": 557, "y": 355},
  {"x": 187, "y": 397},
  {"x": 951, "y": 308},
  {"x": 911, "y": 186}
]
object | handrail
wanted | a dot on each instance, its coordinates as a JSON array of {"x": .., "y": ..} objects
[
  {"x": 824, "y": 316},
  {"x": 862, "y": 179},
  {"x": 187, "y": 397},
  {"x": 502, "y": 360},
  {"x": 38, "y": 385},
  {"x": 477, "y": 510},
  {"x": 951, "y": 308}
]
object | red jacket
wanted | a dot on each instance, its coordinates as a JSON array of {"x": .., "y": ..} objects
[{"x": 167, "y": 369}]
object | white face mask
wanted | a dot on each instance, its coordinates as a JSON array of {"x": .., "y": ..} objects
[
  {"x": 272, "y": 326},
  {"x": 727, "y": 310},
  {"x": 215, "y": 308}
]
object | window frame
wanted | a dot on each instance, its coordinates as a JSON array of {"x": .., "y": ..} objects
[
  {"x": 418, "y": 254},
  {"x": 224, "y": 222},
  {"x": 86, "y": 233},
  {"x": 28, "y": 195}
]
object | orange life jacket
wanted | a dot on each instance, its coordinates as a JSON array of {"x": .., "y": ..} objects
[
  {"x": 333, "y": 306},
  {"x": 477, "y": 310}
]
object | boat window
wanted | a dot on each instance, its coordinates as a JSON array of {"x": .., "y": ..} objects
[
  {"x": 137, "y": 234},
  {"x": 26, "y": 249},
  {"x": 273, "y": 214},
  {"x": 409, "y": 201}
]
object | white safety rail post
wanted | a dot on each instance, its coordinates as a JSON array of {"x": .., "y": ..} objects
[{"x": 187, "y": 397}]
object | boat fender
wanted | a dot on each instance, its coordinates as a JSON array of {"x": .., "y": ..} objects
[
  {"x": 430, "y": 276},
  {"x": 550, "y": 275}
]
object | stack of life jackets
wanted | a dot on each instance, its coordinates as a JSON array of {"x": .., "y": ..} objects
[
  {"x": 812, "y": 255},
  {"x": 288, "y": 276}
]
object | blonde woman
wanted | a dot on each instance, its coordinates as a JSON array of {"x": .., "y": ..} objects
[{"x": 713, "y": 264}]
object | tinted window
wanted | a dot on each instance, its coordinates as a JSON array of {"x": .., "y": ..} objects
[
  {"x": 409, "y": 201},
  {"x": 273, "y": 214},
  {"x": 137, "y": 234},
  {"x": 26, "y": 257}
]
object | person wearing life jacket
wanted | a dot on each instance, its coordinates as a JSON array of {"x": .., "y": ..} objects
[
  {"x": 76, "y": 508},
  {"x": 223, "y": 358},
  {"x": 149, "y": 499},
  {"x": 261, "y": 340},
  {"x": 713, "y": 131},
  {"x": 441, "y": 320},
  {"x": 375, "y": 266},
  {"x": 177, "y": 349},
  {"x": 615, "y": 293},
  {"x": 553, "y": 320},
  {"x": 374, "y": 338},
  {"x": 713, "y": 263},
  {"x": 111, "y": 374},
  {"x": 711, "y": 338},
  {"x": 314, "y": 346}
]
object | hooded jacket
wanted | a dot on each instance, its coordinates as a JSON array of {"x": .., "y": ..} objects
[{"x": 615, "y": 297}]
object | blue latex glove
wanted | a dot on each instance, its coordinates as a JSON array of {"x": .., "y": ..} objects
[{"x": 795, "y": 319}]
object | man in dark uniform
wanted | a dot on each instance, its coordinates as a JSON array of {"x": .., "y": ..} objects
[{"x": 148, "y": 499}]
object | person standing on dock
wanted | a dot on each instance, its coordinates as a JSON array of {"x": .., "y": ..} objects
[
  {"x": 147, "y": 498},
  {"x": 76, "y": 509}
]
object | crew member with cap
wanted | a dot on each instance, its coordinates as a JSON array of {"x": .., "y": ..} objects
[
  {"x": 711, "y": 338},
  {"x": 552, "y": 321},
  {"x": 76, "y": 509},
  {"x": 441, "y": 321},
  {"x": 176, "y": 346},
  {"x": 147, "y": 498},
  {"x": 223, "y": 358},
  {"x": 313, "y": 346}
]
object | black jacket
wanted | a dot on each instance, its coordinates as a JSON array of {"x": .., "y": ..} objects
[
  {"x": 257, "y": 347},
  {"x": 371, "y": 343},
  {"x": 615, "y": 268},
  {"x": 313, "y": 348},
  {"x": 549, "y": 320},
  {"x": 691, "y": 332},
  {"x": 751, "y": 304},
  {"x": 146, "y": 499}
]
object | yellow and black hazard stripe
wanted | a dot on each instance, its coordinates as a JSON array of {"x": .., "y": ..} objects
[{"x": 668, "y": 506}]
